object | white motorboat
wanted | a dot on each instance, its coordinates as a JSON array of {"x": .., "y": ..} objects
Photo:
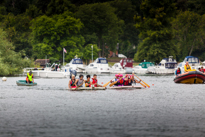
[
  {"x": 124, "y": 66},
  {"x": 75, "y": 64},
  {"x": 166, "y": 66},
  {"x": 142, "y": 68},
  {"x": 193, "y": 62},
  {"x": 117, "y": 68},
  {"x": 47, "y": 73},
  {"x": 99, "y": 66}
]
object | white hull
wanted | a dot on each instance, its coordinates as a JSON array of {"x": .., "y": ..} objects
[
  {"x": 117, "y": 71},
  {"x": 49, "y": 74},
  {"x": 96, "y": 71},
  {"x": 160, "y": 70},
  {"x": 141, "y": 71}
]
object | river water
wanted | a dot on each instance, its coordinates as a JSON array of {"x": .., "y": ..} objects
[{"x": 50, "y": 110}]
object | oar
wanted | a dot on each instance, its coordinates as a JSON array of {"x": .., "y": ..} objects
[
  {"x": 105, "y": 85},
  {"x": 113, "y": 83},
  {"x": 142, "y": 81}
]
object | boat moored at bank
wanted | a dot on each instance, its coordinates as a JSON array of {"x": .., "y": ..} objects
[
  {"x": 99, "y": 66},
  {"x": 142, "y": 68},
  {"x": 166, "y": 66}
]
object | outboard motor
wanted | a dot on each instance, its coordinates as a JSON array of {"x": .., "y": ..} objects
[{"x": 73, "y": 72}]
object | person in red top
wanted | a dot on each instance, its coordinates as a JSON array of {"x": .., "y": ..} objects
[
  {"x": 126, "y": 80},
  {"x": 95, "y": 81},
  {"x": 202, "y": 69}
]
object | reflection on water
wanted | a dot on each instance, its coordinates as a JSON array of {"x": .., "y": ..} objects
[{"x": 48, "y": 109}]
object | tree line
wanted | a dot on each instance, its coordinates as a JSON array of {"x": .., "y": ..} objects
[{"x": 139, "y": 29}]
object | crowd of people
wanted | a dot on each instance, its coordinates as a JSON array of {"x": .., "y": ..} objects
[
  {"x": 127, "y": 80},
  {"x": 74, "y": 83},
  {"x": 119, "y": 80}
]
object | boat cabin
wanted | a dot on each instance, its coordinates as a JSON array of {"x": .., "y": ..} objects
[
  {"x": 76, "y": 61},
  {"x": 146, "y": 64},
  {"x": 126, "y": 63},
  {"x": 99, "y": 61},
  {"x": 193, "y": 61},
  {"x": 168, "y": 63}
]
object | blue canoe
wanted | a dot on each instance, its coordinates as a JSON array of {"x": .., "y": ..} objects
[{"x": 23, "y": 83}]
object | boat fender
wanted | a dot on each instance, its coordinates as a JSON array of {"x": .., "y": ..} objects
[{"x": 4, "y": 79}]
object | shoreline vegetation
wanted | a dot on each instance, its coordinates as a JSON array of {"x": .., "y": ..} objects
[{"x": 140, "y": 29}]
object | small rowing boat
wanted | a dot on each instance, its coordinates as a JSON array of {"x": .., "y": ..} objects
[
  {"x": 127, "y": 87},
  {"x": 88, "y": 88},
  {"x": 192, "y": 77},
  {"x": 23, "y": 83}
]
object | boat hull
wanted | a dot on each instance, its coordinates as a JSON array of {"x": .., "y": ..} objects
[
  {"x": 23, "y": 83},
  {"x": 193, "y": 77},
  {"x": 88, "y": 88},
  {"x": 126, "y": 87}
]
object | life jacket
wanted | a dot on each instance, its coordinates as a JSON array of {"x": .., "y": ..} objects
[
  {"x": 126, "y": 82},
  {"x": 188, "y": 67},
  {"x": 72, "y": 83},
  {"x": 121, "y": 81},
  {"x": 95, "y": 81},
  {"x": 202, "y": 70},
  {"x": 29, "y": 76},
  {"x": 178, "y": 71},
  {"x": 88, "y": 83}
]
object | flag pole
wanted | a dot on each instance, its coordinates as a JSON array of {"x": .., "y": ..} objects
[{"x": 63, "y": 56}]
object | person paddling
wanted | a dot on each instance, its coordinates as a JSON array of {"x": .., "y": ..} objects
[
  {"x": 178, "y": 72},
  {"x": 133, "y": 80},
  {"x": 88, "y": 82},
  {"x": 115, "y": 79},
  {"x": 79, "y": 82},
  {"x": 29, "y": 78},
  {"x": 95, "y": 81},
  {"x": 121, "y": 80},
  {"x": 72, "y": 82}
]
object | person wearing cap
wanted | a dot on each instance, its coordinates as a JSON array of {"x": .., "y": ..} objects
[
  {"x": 121, "y": 80},
  {"x": 178, "y": 72},
  {"x": 79, "y": 82},
  {"x": 115, "y": 79},
  {"x": 126, "y": 80},
  {"x": 29, "y": 78},
  {"x": 72, "y": 82}
]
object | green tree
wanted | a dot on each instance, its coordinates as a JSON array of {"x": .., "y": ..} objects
[
  {"x": 52, "y": 34},
  {"x": 189, "y": 33},
  {"x": 155, "y": 30},
  {"x": 11, "y": 62},
  {"x": 18, "y": 31},
  {"x": 99, "y": 20}
]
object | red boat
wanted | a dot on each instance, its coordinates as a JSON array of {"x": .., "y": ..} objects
[{"x": 192, "y": 77}]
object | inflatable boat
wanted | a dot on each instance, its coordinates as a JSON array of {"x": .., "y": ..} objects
[
  {"x": 23, "y": 83},
  {"x": 192, "y": 77}
]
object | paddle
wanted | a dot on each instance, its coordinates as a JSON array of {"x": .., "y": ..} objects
[
  {"x": 113, "y": 83},
  {"x": 105, "y": 85},
  {"x": 142, "y": 81}
]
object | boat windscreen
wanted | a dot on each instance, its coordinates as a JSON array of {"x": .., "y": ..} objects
[
  {"x": 102, "y": 61},
  {"x": 170, "y": 65}
]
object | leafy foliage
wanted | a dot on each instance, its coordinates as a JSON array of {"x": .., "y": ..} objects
[{"x": 10, "y": 62}]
